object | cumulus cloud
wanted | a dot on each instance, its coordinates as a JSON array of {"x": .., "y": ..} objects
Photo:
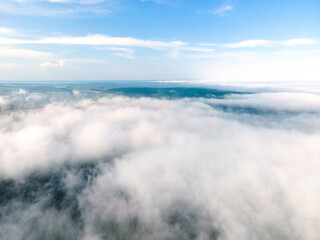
[{"x": 143, "y": 168}]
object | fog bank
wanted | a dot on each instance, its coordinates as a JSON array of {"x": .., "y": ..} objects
[{"x": 239, "y": 167}]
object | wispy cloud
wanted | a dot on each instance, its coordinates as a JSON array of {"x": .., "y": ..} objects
[
  {"x": 243, "y": 55},
  {"x": 248, "y": 43},
  {"x": 198, "y": 49},
  {"x": 85, "y": 2},
  {"x": 267, "y": 43},
  {"x": 24, "y": 53},
  {"x": 208, "y": 44},
  {"x": 118, "y": 49},
  {"x": 222, "y": 11},
  {"x": 165, "y": 2},
  {"x": 7, "y": 31},
  {"x": 124, "y": 55},
  {"x": 98, "y": 39},
  {"x": 56, "y": 7},
  {"x": 125, "y": 46},
  {"x": 177, "y": 52},
  {"x": 298, "y": 41}
]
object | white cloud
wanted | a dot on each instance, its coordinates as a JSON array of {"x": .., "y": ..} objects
[
  {"x": 61, "y": 63},
  {"x": 12, "y": 41},
  {"x": 84, "y": 2},
  {"x": 279, "y": 101},
  {"x": 231, "y": 55},
  {"x": 207, "y": 44},
  {"x": 198, "y": 49},
  {"x": 119, "y": 43},
  {"x": 98, "y": 39},
  {"x": 56, "y": 7},
  {"x": 267, "y": 43},
  {"x": 166, "y": 2},
  {"x": 249, "y": 43},
  {"x": 124, "y": 55},
  {"x": 177, "y": 52},
  {"x": 7, "y": 31},
  {"x": 119, "y": 49},
  {"x": 222, "y": 11},
  {"x": 180, "y": 169},
  {"x": 298, "y": 41},
  {"x": 24, "y": 53},
  {"x": 59, "y": 1}
]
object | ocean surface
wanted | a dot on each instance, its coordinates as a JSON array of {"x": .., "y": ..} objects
[{"x": 158, "y": 161}]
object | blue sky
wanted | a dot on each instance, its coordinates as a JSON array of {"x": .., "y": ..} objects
[{"x": 216, "y": 41}]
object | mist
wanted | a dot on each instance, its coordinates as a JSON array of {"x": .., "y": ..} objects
[{"x": 82, "y": 165}]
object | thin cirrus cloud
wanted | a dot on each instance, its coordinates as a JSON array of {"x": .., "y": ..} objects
[
  {"x": 267, "y": 43},
  {"x": 122, "y": 46},
  {"x": 24, "y": 53},
  {"x": 123, "y": 55},
  {"x": 239, "y": 55},
  {"x": 117, "y": 49},
  {"x": 7, "y": 31},
  {"x": 81, "y": 2},
  {"x": 97, "y": 39},
  {"x": 125, "y": 46},
  {"x": 298, "y": 41},
  {"x": 56, "y": 7},
  {"x": 105, "y": 40},
  {"x": 222, "y": 11},
  {"x": 248, "y": 43},
  {"x": 165, "y": 2},
  {"x": 57, "y": 1}
]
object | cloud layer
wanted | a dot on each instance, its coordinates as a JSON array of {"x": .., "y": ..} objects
[{"x": 244, "y": 166}]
